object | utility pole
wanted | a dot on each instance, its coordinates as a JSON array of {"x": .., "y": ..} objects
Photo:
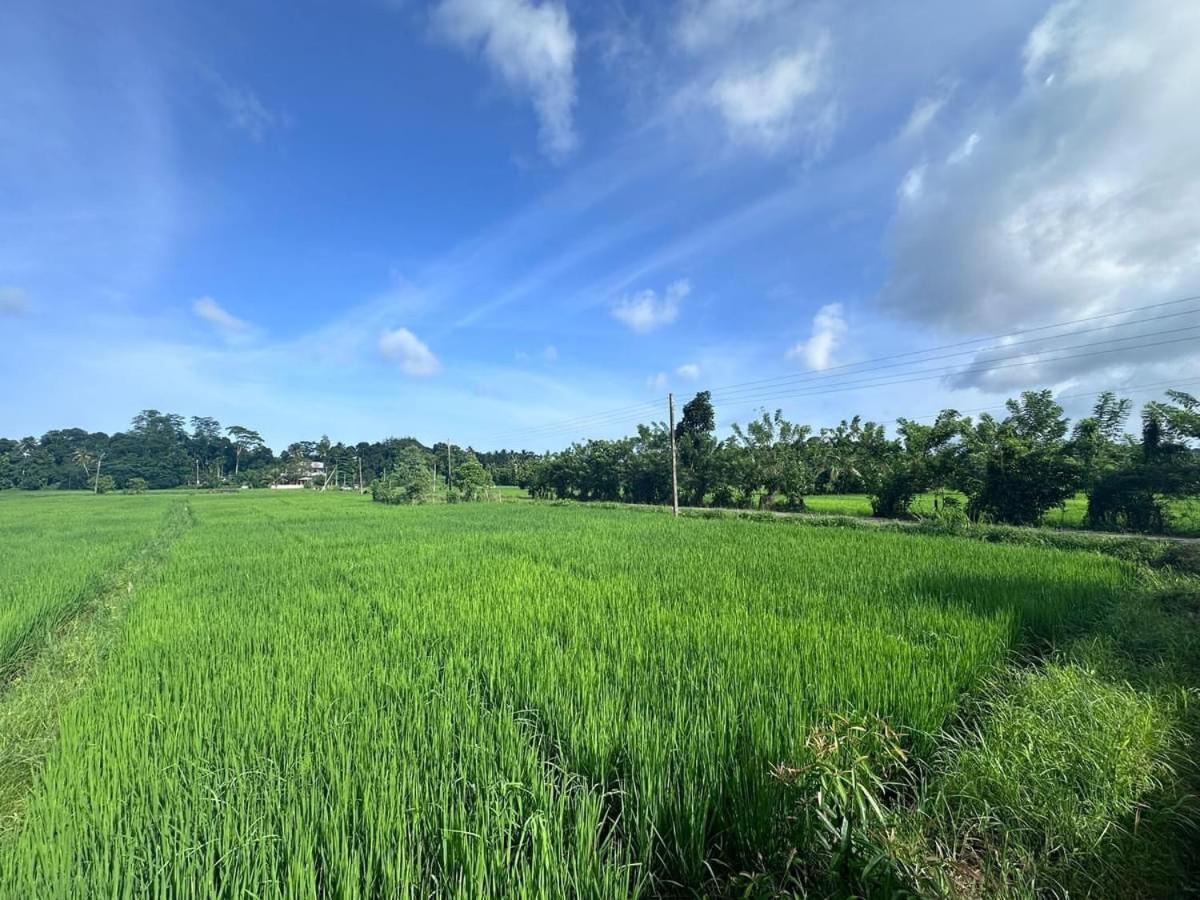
[
  {"x": 674, "y": 462},
  {"x": 99, "y": 462},
  {"x": 359, "y": 458},
  {"x": 449, "y": 470}
]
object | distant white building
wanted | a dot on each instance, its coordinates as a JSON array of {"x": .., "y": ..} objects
[{"x": 300, "y": 475}]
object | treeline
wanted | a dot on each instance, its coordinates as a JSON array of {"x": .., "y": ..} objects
[
  {"x": 1012, "y": 469},
  {"x": 165, "y": 450}
]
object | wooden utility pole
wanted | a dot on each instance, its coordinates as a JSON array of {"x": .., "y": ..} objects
[
  {"x": 674, "y": 462},
  {"x": 449, "y": 468},
  {"x": 359, "y": 458}
]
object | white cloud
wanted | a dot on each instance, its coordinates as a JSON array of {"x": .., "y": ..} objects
[
  {"x": 690, "y": 371},
  {"x": 531, "y": 46},
  {"x": 924, "y": 112},
  {"x": 963, "y": 151},
  {"x": 764, "y": 105},
  {"x": 403, "y": 347},
  {"x": 217, "y": 316},
  {"x": 247, "y": 113},
  {"x": 914, "y": 180},
  {"x": 704, "y": 23},
  {"x": 658, "y": 382},
  {"x": 13, "y": 301},
  {"x": 646, "y": 311},
  {"x": 828, "y": 329},
  {"x": 1085, "y": 196}
]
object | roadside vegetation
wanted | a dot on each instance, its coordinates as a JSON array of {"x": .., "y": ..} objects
[
  {"x": 541, "y": 700},
  {"x": 1030, "y": 466}
]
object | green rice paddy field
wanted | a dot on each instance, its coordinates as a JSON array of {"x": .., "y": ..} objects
[{"x": 317, "y": 696}]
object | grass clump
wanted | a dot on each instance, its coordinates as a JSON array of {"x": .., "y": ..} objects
[{"x": 1061, "y": 783}]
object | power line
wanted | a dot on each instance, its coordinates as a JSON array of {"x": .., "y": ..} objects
[
  {"x": 726, "y": 393},
  {"x": 997, "y": 337},
  {"x": 939, "y": 373},
  {"x": 824, "y": 374}
]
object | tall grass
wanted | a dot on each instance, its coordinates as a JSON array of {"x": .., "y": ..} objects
[
  {"x": 57, "y": 551},
  {"x": 319, "y": 696}
]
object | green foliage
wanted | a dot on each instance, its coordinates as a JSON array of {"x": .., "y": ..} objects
[
  {"x": 1021, "y": 467},
  {"x": 105, "y": 484},
  {"x": 507, "y": 699},
  {"x": 472, "y": 481},
  {"x": 136, "y": 485},
  {"x": 411, "y": 480},
  {"x": 1062, "y": 770}
]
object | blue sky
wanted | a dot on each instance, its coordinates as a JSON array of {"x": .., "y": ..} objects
[{"x": 495, "y": 221}]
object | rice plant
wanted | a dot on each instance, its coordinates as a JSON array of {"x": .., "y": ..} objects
[{"x": 322, "y": 697}]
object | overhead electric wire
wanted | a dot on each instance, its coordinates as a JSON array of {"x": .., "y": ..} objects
[
  {"x": 996, "y": 337},
  {"x": 782, "y": 381},
  {"x": 926, "y": 376},
  {"x": 779, "y": 387}
]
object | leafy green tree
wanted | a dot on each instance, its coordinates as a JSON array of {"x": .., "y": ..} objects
[
  {"x": 471, "y": 480},
  {"x": 1021, "y": 467},
  {"x": 245, "y": 440},
  {"x": 696, "y": 448},
  {"x": 136, "y": 485},
  {"x": 105, "y": 483},
  {"x": 1097, "y": 439},
  {"x": 777, "y": 461},
  {"x": 1135, "y": 495},
  {"x": 410, "y": 480}
]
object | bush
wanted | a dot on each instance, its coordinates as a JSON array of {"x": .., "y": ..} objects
[
  {"x": 136, "y": 486},
  {"x": 104, "y": 484}
]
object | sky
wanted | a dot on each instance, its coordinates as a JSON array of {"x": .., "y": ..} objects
[{"x": 519, "y": 223}]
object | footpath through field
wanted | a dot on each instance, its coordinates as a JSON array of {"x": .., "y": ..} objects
[{"x": 57, "y": 667}]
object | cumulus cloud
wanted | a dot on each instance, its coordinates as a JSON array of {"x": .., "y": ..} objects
[
  {"x": 766, "y": 105},
  {"x": 219, "y": 318},
  {"x": 690, "y": 371},
  {"x": 531, "y": 46},
  {"x": 645, "y": 311},
  {"x": 13, "y": 302},
  {"x": 1083, "y": 193},
  {"x": 409, "y": 352},
  {"x": 828, "y": 329}
]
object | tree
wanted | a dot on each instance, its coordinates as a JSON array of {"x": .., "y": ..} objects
[
  {"x": 1021, "y": 467},
  {"x": 776, "y": 455},
  {"x": 472, "y": 480},
  {"x": 1134, "y": 495},
  {"x": 411, "y": 480},
  {"x": 135, "y": 486},
  {"x": 207, "y": 444},
  {"x": 1096, "y": 440},
  {"x": 244, "y": 440},
  {"x": 696, "y": 448}
]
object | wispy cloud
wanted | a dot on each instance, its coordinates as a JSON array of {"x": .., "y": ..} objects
[
  {"x": 922, "y": 116},
  {"x": 828, "y": 329},
  {"x": 690, "y": 371},
  {"x": 13, "y": 302},
  {"x": 246, "y": 112},
  {"x": 704, "y": 23},
  {"x": 219, "y": 318},
  {"x": 764, "y": 105},
  {"x": 531, "y": 46},
  {"x": 645, "y": 311},
  {"x": 409, "y": 352}
]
